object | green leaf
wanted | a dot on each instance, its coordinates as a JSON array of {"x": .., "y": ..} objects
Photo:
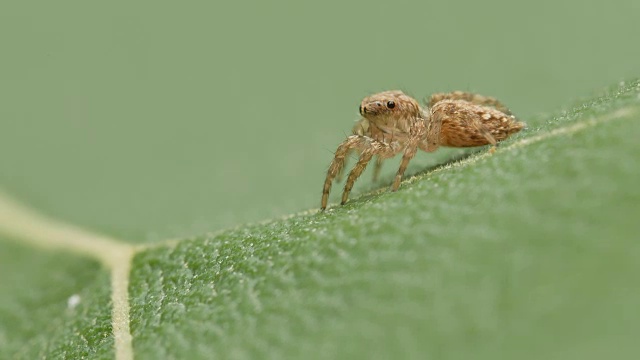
[
  {"x": 530, "y": 252},
  {"x": 52, "y": 305}
]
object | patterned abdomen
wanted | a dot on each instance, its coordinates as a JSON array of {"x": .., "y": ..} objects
[{"x": 460, "y": 119}]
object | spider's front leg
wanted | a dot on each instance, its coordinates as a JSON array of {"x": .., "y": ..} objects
[
  {"x": 362, "y": 127},
  {"x": 418, "y": 134},
  {"x": 383, "y": 150},
  {"x": 369, "y": 147},
  {"x": 409, "y": 153},
  {"x": 377, "y": 168},
  {"x": 344, "y": 164},
  {"x": 352, "y": 143}
]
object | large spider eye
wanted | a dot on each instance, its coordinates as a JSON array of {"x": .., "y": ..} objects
[{"x": 391, "y": 104}]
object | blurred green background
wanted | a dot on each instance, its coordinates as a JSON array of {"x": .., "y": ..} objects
[{"x": 153, "y": 119}]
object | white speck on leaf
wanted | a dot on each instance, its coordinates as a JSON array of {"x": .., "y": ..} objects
[{"x": 73, "y": 301}]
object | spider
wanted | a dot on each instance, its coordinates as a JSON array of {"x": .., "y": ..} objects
[{"x": 393, "y": 122}]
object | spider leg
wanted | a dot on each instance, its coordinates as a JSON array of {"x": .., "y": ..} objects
[
  {"x": 381, "y": 149},
  {"x": 377, "y": 167},
  {"x": 475, "y": 122},
  {"x": 419, "y": 133},
  {"x": 351, "y": 143},
  {"x": 355, "y": 173},
  {"x": 361, "y": 128},
  {"x": 409, "y": 153},
  {"x": 346, "y": 161},
  {"x": 470, "y": 97}
]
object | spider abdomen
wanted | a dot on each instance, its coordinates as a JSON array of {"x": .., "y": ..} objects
[{"x": 458, "y": 119}]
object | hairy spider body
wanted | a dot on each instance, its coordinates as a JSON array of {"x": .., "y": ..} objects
[
  {"x": 456, "y": 115},
  {"x": 393, "y": 122}
]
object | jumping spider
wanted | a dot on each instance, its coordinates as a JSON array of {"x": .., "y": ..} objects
[{"x": 393, "y": 122}]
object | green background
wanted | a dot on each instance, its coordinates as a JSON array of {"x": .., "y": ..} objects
[{"x": 149, "y": 120}]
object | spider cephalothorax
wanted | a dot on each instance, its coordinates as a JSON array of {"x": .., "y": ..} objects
[
  {"x": 393, "y": 122},
  {"x": 389, "y": 103}
]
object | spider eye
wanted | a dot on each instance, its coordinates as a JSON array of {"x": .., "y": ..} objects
[{"x": 391, "y": 104}]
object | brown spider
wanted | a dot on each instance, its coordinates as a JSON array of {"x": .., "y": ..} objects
[{"x": 393, "y": 122}]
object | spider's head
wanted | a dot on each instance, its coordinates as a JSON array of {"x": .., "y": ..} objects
[{"x": 389, "y": 104}]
